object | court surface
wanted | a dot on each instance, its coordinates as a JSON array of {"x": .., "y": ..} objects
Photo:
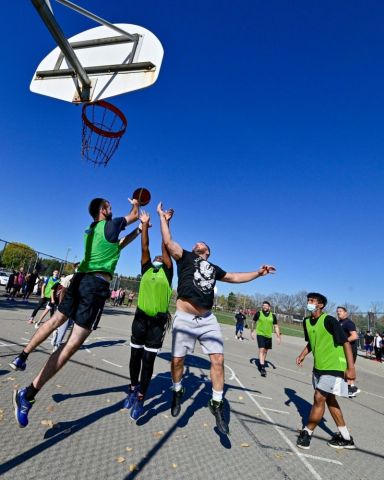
[{"x": 78, "y": 428}]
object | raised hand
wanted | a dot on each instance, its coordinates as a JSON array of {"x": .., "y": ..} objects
[
  {"x": 144, "y": 217},
  {"x": 266, "y": 269},
  {"x": 168, "y": 214},
  {"x": 160, "y": 210}
]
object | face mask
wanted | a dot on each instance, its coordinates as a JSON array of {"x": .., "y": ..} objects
[
  {"x": 157, "y": 264},
  {"x": 311, "y": 307}
]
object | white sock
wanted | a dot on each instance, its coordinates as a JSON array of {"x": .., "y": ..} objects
[
  {"x": 344, "y": 432},
  {"x": 308, "y": 430},
  {"x": 177, "y": 387},
  {"x": 217, "y": 396}
]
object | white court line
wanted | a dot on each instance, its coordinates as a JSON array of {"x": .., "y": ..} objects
[
  {"x": 281, "y": 433},
  {"x": 114, "y": 364},
  {"x": 7, "y": 344},
  {"x": 328, "y": 460},
  {"x": 26, "y": 339},
  {"x": 274, "y": 410},
  {"x": 373, "y": 394},
  {"x": 260, "y": 396}
]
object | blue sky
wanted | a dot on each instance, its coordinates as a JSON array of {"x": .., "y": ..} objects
[{"x": 264, "y": 132}]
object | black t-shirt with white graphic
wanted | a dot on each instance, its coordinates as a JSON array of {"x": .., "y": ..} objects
[{"x": 197, "y": 278}]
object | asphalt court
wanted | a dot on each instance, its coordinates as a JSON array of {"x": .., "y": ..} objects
[{"x": 78, "y": 428}]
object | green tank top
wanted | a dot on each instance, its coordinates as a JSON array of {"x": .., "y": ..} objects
[
  {"x": 264, "y": 325},
  {"x": 325, "y": 355},
  {"x": 48, "y": 287},
  {"x": 154, "y": 292},
  {"x": 100, "y": 255}
]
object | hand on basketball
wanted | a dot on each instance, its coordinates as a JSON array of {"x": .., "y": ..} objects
[
  {"x": 168, "y": 214},
  {"x": 133, "y": 202},
  {"x": 266, "y": 269}
]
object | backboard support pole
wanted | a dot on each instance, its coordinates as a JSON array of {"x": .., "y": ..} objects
[
  {"x": 97, "y": 19},
  {"x": 54, "y": 28}
]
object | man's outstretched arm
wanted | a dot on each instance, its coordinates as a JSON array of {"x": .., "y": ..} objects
[
  {"x": 248, "y": 276},
  {"x": 173, "y": 248},
  {"x": 133, "y": 215}
]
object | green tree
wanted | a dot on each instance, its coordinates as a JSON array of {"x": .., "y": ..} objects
[
  {"x": 16, "y": 255},
  {"x": 231, "y": 301}
]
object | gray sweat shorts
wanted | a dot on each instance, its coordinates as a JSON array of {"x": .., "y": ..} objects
[
  {"x": 188, "y": 328},
  {"x": 330, "y": 384}
]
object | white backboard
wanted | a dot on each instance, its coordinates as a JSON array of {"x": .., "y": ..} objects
[{"x": 148, "y": 50}]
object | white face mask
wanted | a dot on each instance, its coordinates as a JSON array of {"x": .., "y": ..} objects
[
  {"x": 157, "y": 264},
  {"x": 311, "y": 307}
]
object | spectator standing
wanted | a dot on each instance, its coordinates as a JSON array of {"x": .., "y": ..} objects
[
  {"x": 377, "y": 344},
  {"x": 368, "y": 344},
  {"x": 240, "y": 320}
]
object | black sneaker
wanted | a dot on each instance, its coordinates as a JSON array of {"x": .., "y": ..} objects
[
  {"x": 217, "y": 410},
  {"x": 304, "y": 440},
  {"x": 176, "y": 402},
  {"x": 263, "y": 372},
  {"x": 338, "y": 441},
  {"x": 353, "y": 391}
]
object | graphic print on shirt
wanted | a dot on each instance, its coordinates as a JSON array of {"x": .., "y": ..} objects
[{"x": 204, "y": 275}]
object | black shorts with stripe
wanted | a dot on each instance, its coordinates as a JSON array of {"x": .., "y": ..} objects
[{"x": 84, "y": 300}]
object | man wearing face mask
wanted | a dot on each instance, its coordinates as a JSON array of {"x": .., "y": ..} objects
[
  {"x": 333, "y": 363},
  {"x": 194, "y": 319},
  {"x": 266, "y": 323},
  {"x": 151, "y": 318}
]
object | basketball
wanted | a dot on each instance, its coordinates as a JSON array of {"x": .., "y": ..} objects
[{"x": 142, "y": 195}]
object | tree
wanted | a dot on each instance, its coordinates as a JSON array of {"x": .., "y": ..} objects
[
  {"x": 231, "y": 301},
  {"x": 15, "y": 255}
]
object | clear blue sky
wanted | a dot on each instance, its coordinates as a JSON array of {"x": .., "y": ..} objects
[{"x": 264, "y": 131}]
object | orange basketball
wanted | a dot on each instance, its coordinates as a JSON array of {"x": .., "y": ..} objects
[{"x": 142, "y": 195}]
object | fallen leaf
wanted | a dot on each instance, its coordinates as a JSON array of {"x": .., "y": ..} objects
[
  {"x": 165, "y": 415},
  {"x": 108, "y": 400},
  {"x": 59, "y": 386},
  {"x": 120, "y": 459},
  {"x": 174, "y": 465},
  {"x": 129, "y": 449},
  {"x": 11, "y": 378},
  {"x": 1, "y": 411},
  {"x": 47, "y": 423},
  {"x": 278, "y": 455},
  {"x": 205, "y": 424},
  {"x": 241, "y": 398},
  {"x": 159, "y": 434},
  {"x": 50, "y": 408},
  {"x": 244, "y": 445},
  {"x": 16, "y": 385},
  {"x": 133, "y": 467}
]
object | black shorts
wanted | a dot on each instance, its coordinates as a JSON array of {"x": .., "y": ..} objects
[
  {"x": 264, "y": 342},
  {"x": 148, "y": 332},
  {"x": 84, "y": 300}
]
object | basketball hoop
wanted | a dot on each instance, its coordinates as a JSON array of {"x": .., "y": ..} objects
[{"x": 103, "y": 126}]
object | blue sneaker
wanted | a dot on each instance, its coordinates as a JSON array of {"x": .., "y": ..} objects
[
  {"x": 131, "y": 397},
  {"x": 137, "y": 409},
  {"x": 18, "y": 364},
  {"x": 22, "y": 407}
]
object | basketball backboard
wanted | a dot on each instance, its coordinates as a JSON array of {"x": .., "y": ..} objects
[{"x": 114, "y": 63}]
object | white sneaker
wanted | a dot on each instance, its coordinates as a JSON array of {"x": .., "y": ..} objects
[{"x": 37, "y": 325}]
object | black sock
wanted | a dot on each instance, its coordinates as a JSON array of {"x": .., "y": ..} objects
[
  {"x": 31, "y": 393},
  {"x": 23, "y": 356}
]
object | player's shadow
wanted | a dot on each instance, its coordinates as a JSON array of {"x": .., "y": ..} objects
[
  {"x": 4, "y": 372},
  {"x": 304, "y": 408},
  {"x": 105, "y": 343},
  {"x": 267, "y": 363}
]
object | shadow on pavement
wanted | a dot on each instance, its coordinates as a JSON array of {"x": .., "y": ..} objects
[
  {"x": 267, "y": 363},
  {"x": 303, "y": 408},
  {"x": 105, "y": 343}
]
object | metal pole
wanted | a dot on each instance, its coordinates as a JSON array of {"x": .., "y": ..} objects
[
  {"x": 56, "y": 32},
  {"x": 97, "y": 19}
]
